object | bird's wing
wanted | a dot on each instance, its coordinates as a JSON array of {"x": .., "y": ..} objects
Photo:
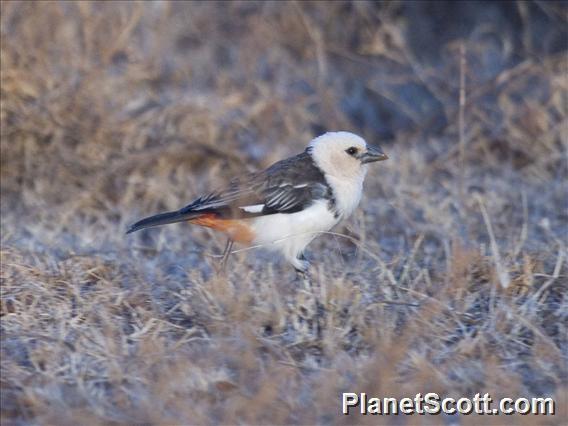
[{"x": 288, "y": 186}]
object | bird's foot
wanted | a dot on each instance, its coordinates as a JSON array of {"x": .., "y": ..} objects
[
  {"x": 226, "y": 253},
  {"x": 302, "y": 266},
  {"x": 307, "y": 312}
]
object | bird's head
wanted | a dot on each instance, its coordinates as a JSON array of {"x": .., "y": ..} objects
[{"x": 344, "y": 154}]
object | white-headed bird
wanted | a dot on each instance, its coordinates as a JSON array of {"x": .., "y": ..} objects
[{"x": 286, "y": 206}]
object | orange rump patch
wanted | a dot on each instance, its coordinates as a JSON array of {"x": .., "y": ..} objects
[{"x": 238, "y": 230}]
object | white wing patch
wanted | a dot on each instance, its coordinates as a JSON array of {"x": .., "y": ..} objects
[{"x": 257, "y": 208}]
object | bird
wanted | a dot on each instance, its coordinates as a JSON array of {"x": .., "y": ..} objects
[{"x": 284, "y": 207}]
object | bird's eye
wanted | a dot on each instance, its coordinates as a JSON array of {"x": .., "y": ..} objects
[{"x": 352, "y": 150}]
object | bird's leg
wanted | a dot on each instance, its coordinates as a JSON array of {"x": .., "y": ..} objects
[
  {"x": 302, "y": 266},
  {"x": 310, "y": 312},
  {"x": 226, "y": 254},
  {"x": 304, "y": 278}
]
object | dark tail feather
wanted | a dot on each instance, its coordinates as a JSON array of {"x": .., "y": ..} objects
[{"x": 162, "y": 219}]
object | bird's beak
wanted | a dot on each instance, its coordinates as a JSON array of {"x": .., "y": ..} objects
[{"x": 373, "y": 153}]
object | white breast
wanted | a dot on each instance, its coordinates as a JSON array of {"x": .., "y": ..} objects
[
  {"x": 347, "y": 193},
  {"x": 291, "y": 233}
]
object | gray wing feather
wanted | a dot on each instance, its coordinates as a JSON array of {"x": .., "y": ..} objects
[{"x": 288, "y": 186}]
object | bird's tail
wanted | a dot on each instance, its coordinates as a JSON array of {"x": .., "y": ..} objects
[{"x": 163, "y": 219}]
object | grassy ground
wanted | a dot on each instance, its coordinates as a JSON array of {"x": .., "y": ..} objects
[{"x": 450, "y": 278}]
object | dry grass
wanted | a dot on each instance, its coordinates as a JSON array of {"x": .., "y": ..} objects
[{"x": 450, "y": 278}]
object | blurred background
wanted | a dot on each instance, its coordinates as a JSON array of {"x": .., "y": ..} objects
[
  {"x": 92, "y": 91},
  {"x": 111, "y": 111}
]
